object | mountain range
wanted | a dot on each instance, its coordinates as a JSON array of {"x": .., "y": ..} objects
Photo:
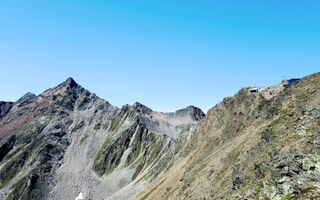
[{"x": 67, "y": 143}]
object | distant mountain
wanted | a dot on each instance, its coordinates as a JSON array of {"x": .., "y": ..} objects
[{"x": 67, "y": 143}]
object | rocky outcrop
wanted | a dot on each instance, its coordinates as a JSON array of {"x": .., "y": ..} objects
[
  {"x": 26, "y": 99},
  {"x": 5, "y": 108},
  {"x": 196, "y": 113}
]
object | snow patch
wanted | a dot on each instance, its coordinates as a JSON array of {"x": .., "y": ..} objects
[{"x": 79, "y": 197}]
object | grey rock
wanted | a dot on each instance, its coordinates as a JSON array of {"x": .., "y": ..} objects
[{"x": 5, "y": 108}]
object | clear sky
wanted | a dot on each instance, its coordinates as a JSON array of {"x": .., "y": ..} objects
[{"x": 165, "y": 54}]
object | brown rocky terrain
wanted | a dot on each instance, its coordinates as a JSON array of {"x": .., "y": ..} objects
[{"x": 252, "y": 147}]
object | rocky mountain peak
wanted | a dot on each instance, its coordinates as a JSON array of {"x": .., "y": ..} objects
[
  {"x": 27, "y": 96},
  {"x": 26, "y": 99},
  {"x": 69, "y": 86},
  {"x": 195, "y": 112},
  {"x": 140, "y": 108},
  {"x": 69, "y": 83}
]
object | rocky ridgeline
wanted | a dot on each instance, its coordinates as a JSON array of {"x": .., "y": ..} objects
[
  {"x": 251, "y": 146},
  {"x": 67, "y": 142}
]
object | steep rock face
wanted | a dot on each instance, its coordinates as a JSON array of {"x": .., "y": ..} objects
[
  {"x": 34, "y": 139},
  {"x": 67, "y": 141},
  {"x": 4, "y": 108},
  {"x": 140, "y": 147},
  {"x": 252, "y": 147}
]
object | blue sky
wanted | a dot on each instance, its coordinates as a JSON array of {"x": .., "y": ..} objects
[{"x": 165, "y": 54}]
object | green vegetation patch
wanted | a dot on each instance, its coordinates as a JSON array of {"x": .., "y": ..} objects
[
  {"x": 79, "y": 126},
  {"x": 109, "y": 156},
  {"x": 97, "y": 126},
  {"x": 20, "y": 190},
  {"x": 10, "y": 169},
  {"x": 83, "y": 139}
]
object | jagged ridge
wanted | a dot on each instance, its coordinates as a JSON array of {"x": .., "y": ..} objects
[{"x": 57, "y": 144}]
